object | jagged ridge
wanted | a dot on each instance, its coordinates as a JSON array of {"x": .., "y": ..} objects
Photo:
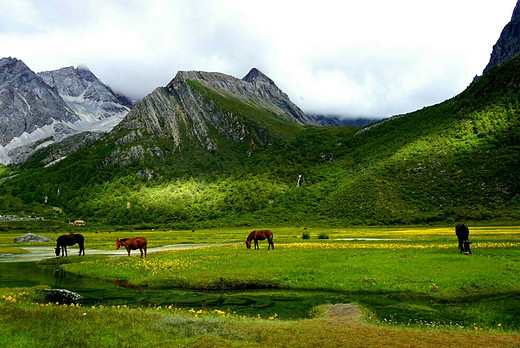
[{"x": 201, "y": 108}]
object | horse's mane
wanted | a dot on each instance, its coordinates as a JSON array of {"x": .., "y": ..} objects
[{"x": 123, "y": 239}]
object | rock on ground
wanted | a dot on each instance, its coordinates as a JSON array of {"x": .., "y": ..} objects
[
  {"x": 62, "y": 296},
  {"x": 30, "y": 237}
]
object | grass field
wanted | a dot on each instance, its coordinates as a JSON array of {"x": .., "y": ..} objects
[{"x": 411, "y": 284}]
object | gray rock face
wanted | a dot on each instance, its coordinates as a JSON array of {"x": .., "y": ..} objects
[
  {"x": 62, "y": 296},
  {"x": 29, "y": 237},
  {"x": 37, "y": 110},
  {"x": 180, "y": 113},
  {"x": 263, "y": 88},
  {"x": 254, "y": 85},
  {"x": 49, "y": 155},
  {"x": 508, "y": 45},
  {"x": 84, "y": 93},
  {"x": 27, "y": 103}
]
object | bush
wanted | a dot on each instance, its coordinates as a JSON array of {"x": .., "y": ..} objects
[
  {"x": 306, "y": 235},
  {"x": 323, "y": 236}
]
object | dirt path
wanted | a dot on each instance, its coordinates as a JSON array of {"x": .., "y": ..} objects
[
  {"x": 344, "y": 312},
  {"x": 343, "y": 326},
  {"x": 47, "y": 252}
]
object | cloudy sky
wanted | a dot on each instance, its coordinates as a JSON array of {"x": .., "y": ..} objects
[{"x": 371, "y": 58}]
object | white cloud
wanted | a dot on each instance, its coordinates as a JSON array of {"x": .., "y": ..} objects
[{"x": 368, "y": 58}]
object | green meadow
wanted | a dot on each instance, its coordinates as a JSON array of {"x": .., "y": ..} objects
[{"x": 405, "y": 282}]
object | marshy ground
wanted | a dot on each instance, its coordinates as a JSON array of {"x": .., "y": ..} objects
[{"x": 383, "y": 287}]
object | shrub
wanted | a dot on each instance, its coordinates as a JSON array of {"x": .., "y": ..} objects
[
  {"x": 306, "y": 235},
  {"x": 323, "y": 236}
]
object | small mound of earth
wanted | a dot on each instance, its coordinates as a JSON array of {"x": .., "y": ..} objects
[{"x": 344, "y": 312}]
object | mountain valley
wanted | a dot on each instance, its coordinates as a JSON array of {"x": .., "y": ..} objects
[{"x": 209, "y": 149}]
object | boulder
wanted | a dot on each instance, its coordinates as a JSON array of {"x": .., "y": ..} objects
[
  {"x": 29, "y": 237},
  {"x": 62, "y": 296}
]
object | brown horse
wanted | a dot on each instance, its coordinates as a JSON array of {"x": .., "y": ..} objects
[
  {"x": 133, "y": 244},
  {"x": 260, "y": 235}
]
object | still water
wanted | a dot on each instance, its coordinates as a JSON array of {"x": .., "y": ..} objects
[
  {"x": 286, "y": 303},
  {"x": 401, "y": 307}
]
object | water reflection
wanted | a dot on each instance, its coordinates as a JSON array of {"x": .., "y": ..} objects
[{"x": 124, "y": 284}]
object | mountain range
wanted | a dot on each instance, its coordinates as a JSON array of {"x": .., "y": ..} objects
[
  {"x": 338, "y": 121},
  {"x": 37, "y": 110},
  {"x": 209, "y": 149}
]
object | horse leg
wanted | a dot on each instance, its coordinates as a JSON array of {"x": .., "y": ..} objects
[
  {"x": 141, "y": 250},
  {"x": 128, "y": 250},
  {"x": 145, "y": 247},
  {"x": 65, "y": 249}
]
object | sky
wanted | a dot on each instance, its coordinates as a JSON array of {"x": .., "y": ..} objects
[{"x": 352, "y": 58}]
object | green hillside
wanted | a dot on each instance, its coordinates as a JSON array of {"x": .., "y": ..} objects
[{"x": 458, "y": 160}]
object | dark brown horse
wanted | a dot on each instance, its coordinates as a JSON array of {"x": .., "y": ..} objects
[
  {"x": 133, "y": 244},
  {"x": 260, "y": 235},
  {"x": 67, "y": 240}
]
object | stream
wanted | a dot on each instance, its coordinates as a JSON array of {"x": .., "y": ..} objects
[
  {"x": 25, "y": 271},
  {"x": 287, "y": 304}
]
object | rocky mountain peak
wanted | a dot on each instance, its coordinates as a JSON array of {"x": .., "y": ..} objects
[
  {"x": 255, "y": 74},
  {"x": 14, "y": 71},
  {"x": 70, "y": 81},
  {"x": 37, "y": 110},
  {"x": 84, "y": 93},
  {"x": 9, "y": 66},
  {"x": 255, "y": 85},
  {"x": 508, "y": 44},
  {"x": 196, "y": 106}
]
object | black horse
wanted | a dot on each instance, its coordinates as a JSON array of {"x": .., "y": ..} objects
[
  {"x": 68, "y": 240},
  {"x": 462, "y": 232}
]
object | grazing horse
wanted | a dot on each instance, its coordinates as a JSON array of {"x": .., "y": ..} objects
[
  {"x": 68, "y": 240},
  {"x": 260, "y": 235},
  {"x": 462, "y": 233},
  {"x": 133, "y": 244}
]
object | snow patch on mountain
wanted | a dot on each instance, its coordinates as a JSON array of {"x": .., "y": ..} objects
[{"x": 37, "y": 110}]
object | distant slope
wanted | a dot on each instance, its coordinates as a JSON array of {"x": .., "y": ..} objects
[
  {"x": 452, "y": 161},
  {"x": 337, "y": 121}
]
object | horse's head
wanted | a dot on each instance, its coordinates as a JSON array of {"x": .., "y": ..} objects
[
  {"x": 466, "y": 248},
  {"x": 57, "y": 251},
  {"x": 248, "y": 244},
  {"x": 118, "y": 244}
]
